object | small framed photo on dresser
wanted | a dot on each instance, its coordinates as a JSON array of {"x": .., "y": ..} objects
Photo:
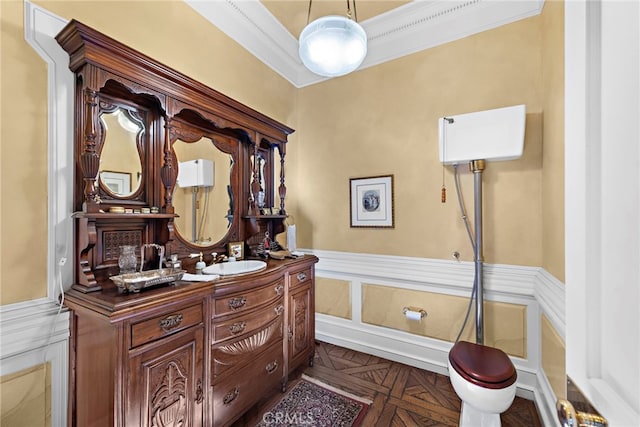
[{"x": 236, "y": 249}]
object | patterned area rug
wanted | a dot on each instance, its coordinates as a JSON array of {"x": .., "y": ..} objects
[{"x": 315, "y": 404}]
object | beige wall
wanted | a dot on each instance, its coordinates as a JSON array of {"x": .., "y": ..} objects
[
  {"x": 553, "y": 358},
  {"x": 505, "y": 324},
  {"x": 333, "y": 297},
  {"x": 553, "y": 346},
  {"x": 383, "y": 120},
  {"x": 168, "y": 31},
  {"x": 23, "y": 163},
  {"x": 25, "y": 397},
  {"x": 553, "y": 137}
]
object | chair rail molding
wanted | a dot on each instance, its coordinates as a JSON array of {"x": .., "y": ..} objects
[{"x": 532, "y": 287}]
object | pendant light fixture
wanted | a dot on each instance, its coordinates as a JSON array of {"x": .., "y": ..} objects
[{"x": 333, "y": 45}]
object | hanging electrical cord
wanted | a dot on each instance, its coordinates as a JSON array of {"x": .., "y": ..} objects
[{"x": 463, "y": 211}]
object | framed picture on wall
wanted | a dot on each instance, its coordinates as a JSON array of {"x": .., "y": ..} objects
[
  {"x": 372, "y": 201},
  {"x": 117, "y": 182}
]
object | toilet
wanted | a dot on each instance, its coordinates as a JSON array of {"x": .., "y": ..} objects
[{"x": 484, "y": 379}]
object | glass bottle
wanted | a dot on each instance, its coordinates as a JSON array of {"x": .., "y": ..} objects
[{"x": 127, "y": 260}]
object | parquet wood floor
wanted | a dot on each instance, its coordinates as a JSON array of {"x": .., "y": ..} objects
[{"x": 402, "y": 395}]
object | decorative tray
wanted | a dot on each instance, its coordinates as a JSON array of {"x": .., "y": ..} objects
[{"x": 134, "y": 282}]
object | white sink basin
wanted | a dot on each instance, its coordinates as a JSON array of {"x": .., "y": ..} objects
[{"x": 235, "y": 267}]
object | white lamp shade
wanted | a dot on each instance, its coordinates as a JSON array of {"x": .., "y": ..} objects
[{"x": 333, "y": 46}]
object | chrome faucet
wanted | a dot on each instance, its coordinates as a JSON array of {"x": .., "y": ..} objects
[{"x": 160, "y": 249}]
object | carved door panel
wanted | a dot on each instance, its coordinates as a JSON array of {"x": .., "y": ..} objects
[
  {"x": 301, "y": 333},
  {"x": 166, "y": 383}
]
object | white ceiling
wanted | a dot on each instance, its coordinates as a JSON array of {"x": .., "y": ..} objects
[{"x": 394, "y": 28}]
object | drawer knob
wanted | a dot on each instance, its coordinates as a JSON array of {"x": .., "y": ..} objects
[
  {"x": 279, "y": 290},
  {"x": 271, "y": 367},
  {"x": 301, "y": 277},
  {"x": 171, "y": 322},
  {"x": 231, "y": 396},
  {"x": 237, "y": 328},
  {"x": 236, "y": 303},
  {"x": 279, "y": 309}
]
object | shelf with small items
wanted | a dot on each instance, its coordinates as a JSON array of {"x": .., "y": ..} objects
[
  {"x": 109, "y": 215},
  {"x": 265, "y": 217}
]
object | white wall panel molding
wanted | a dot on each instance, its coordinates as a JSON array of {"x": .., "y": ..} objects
[
  {"x": 550, "y": 294},
  {"x": 533, "y": 287},
  {"x": 33, "y": 333},
  {"x": 40, "y": 29}
]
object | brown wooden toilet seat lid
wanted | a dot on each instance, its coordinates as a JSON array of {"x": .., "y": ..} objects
[{"x": 486, "y": 367}]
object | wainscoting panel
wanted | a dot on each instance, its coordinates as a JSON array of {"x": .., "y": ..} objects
[
  {"x": 35, "y": 333},
  {"x": 520, "y": 286}
]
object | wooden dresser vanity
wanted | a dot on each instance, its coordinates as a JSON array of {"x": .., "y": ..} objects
[
  {"x": 163, "y": 160},
  {"x": 193, "y": 353}
]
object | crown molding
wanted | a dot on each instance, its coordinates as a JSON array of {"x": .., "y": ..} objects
[{"x": 402, "y": 31}]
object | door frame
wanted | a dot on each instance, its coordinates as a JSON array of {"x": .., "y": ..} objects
[{"x": 602, "y": 179}]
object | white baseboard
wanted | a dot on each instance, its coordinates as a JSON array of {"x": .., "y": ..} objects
[
  {"x": 546, "y": 401},
  {"x": 402, "y": 347}
]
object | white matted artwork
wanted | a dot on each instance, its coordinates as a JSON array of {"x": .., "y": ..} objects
[
  {"x": 372, "y": 201},
  {"x": 117, "y": 182}
]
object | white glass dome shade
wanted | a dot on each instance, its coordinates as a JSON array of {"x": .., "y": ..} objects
[{"x": 333, "y": 46}]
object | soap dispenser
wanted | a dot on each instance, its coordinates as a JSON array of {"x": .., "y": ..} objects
[{"x": 200, "y": 265}]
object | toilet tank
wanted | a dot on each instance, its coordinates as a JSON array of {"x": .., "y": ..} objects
[{"x": 483, "y": 135}]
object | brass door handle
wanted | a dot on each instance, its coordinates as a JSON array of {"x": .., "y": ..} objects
[
  {"x": 569, "y": 417},
  {"x": 271, "y": 367},
  {"x": 237, "y": 327},
  {"x": 170, "y": 322},
  {"x": 236, "y": 303},
  {"x": 230, "y": 396}
]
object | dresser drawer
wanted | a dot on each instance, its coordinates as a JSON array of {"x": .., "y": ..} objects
[
  {"x": 300, "y": 277},
  {"x": 240, "y": 325},
  {"x": 243, "y": 301},
  {"x": 237, "y": 393},
  {"x": 232, "y": 354},
  {"x": 165, "y": 324}
]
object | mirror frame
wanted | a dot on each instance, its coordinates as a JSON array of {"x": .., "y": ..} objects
[
  {"x": 190, "y": 127},
  {"x": 139, "y": 116}
]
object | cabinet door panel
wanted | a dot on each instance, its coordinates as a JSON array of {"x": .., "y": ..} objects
[
  {"x": 166, "y": 382},
  {"x": 301, "y": 332}
]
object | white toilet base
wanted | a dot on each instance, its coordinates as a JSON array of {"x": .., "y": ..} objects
[
  {"x": 492, "y": 402},
  {"x": 472, "y": 417}
]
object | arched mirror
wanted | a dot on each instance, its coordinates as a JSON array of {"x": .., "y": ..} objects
[
  {"x": 120, "y": 165},
  {"x": 203, "y": 197},
  {"x": 263, "y": 199},
  {"x": 277, "y": 177}
]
